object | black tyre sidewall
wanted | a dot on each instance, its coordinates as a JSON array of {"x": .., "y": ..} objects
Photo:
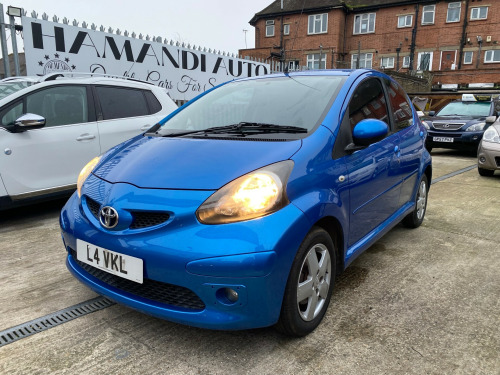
[{"x": 290, "y": 321}]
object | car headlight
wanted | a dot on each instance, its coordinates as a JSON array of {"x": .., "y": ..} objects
[
  {"x": 426, "y": 125},
  {"x": 84, "y": 173},
  {"x": 476, "y": 127},
  {"x": 491, "y": 135},
  {"x": 250, "y": 196}
]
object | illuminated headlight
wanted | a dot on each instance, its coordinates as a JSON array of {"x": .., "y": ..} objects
[
  {"x": 491, "y": 135},
  {"x": 84, "y": 173},
  {"x": 476, "y": 127},
  {"x": 250, "y": 196}
]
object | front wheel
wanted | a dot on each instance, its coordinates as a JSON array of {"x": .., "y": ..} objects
[
  {"x": 485, "y": 172},
  {"x": 415, "y": 219},
  {"x": 309, "y": 286}
]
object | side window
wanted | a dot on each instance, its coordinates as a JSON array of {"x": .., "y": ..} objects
[
  {"x": 121, "y": 102},
  {"x": 60, "y": 105},
  {"x": 368, "y": 101},
  {"x": 154, "y": 104},
  {"x": 401, "y": 107},
  {"x": 10, "y": 114}
]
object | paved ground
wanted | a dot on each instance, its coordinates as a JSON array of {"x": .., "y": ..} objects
[{"x": 423, "y": 301}]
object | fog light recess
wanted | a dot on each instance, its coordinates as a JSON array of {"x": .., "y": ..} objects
[
  {"x": 227, "y": 296},
  {"x": 482, "y": 159}
]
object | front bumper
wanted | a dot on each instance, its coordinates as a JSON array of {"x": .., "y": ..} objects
[
  {"x": 252, "y": 258},
  {"x": 488, "y": 155},
  {"x": 460, "y": 139}
]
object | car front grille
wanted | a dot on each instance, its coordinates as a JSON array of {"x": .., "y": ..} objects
[
  {"x": 447, "y": 126},
  {"x": 140, "y": 219},
  {"x": 152, "y": 290}
]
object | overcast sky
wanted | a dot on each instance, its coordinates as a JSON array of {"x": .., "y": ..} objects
[{"x": 215, "y": 24}]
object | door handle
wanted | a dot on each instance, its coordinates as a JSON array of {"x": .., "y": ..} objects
[
  {"x": 85, "y": 137},
  {"x": 145, "y": 127}
]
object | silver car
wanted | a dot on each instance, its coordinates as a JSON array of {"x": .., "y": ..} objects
[{"x": 488, "y": 154}]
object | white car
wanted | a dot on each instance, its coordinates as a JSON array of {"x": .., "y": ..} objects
[{"x": 51, "y": 129}]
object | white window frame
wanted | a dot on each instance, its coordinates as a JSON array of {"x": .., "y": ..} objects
[
  {"x": 363, "y": 59},
  {"x": 286, "y": 29},
  {"x": 269, "y": 26},
  {"x": 478, "y": 15},
  {"x": 452, "y": 7},
  {"x": 364, "y": 19},
  {"x": 420, "y": 54},
  {"x": 428, "y": 9},
  {"x": 491, "y": 60},
  {"x": 468, "y": 53},
  {"x": 314, "y": 58},
  {"x": 294, "y": 65},
  {"x": 322, "y": 18},
  {"x": 390, "y": 62},
  {"x": 407, "y": 63},
  {"x": 405, "y": 17}
]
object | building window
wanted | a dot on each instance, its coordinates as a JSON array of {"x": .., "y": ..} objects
[
  {"x": 286, "y": 29},
  {"x": 453, "y": 14},
  {"x": 425, "y": 61},
  {"x": 468, "y": 57},
  {"x": 387, "y": 62},
  {"x": 492, "y": 56},
  {"x": 270, "y": 28},
  {"x": 428, "y": 12},
  {"x": 293, "y": 65},
  {"x": 365, "y": 61},
  {"x": 317, "y": 23},
  {"x": 479, "y": 13},
  {"x": 405, "y": 21},
  {"x": 313, "y": 61},
  {"x": 406, "y": 61},
  {"x": 364, "y": 23}
]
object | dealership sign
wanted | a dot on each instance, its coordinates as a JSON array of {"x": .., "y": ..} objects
[{"x": 53, "y": 47}]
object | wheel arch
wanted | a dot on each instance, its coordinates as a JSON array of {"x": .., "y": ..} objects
[{"x": 333, "y": 227}]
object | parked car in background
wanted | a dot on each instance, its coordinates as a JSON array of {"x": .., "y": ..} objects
[
  {"x": 461, "y": 123},
  {"x": 488, "y": 154},
  {"x": 239, "y": 209},
  {"x": 52, "y": 127}
]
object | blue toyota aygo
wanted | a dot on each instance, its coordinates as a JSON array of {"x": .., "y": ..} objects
[{"x": 239, "y": 209}]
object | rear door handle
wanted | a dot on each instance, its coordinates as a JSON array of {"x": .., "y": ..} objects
[
  {"x": 145, "y": 127},
  {"x": 85, "y": 137}
]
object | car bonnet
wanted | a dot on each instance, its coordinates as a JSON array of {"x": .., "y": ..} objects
[{"x": 186, "y": 163}]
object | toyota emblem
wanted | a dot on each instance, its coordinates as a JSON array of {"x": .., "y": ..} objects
[{"x": 108, "y": 217}]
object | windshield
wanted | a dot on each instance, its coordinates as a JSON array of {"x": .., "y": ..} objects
[
  {"x": 299, "y": 101},
  {"x": 9, "y": 88},
  {"x": 472, "y": 109}
]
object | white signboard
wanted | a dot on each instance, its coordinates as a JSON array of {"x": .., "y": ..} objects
[{"x": 52, "y": 47}]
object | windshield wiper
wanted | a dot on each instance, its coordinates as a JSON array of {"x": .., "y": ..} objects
[{"x": 242, "y": 128}]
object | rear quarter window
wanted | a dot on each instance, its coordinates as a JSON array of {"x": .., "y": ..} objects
[
  {"x": 121, "y": 102},
  {"x": 153, "y": 102}
]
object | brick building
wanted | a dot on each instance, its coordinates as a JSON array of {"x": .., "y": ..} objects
[{"x": 457, "y": 41}]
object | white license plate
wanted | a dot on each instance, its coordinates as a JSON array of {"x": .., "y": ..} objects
[
  {"x": 443, "y": 139},
  {"x": 115, "y": 263}
]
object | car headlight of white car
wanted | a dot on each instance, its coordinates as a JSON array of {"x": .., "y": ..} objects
[{"x": 491, "y": 135}]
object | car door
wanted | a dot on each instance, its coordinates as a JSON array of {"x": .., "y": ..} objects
[
  {"x": 411, "y": 139},
  {"x": 41, "y": 161},
  {"x": 124, "y": 113},
  {"x": 373, "y": 184}
]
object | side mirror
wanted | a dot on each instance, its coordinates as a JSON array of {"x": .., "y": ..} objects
[
  {"x": 366, "y": 132},
  {"x": 432, "y": 113},
  {"x": 490, "y": 119},
  {"x": 29, "y": 121}
]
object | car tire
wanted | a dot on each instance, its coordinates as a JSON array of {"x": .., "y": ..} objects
[
  {"x": 485, "y": 172},
  {"x": 429, "y": 148},
  {"x": 309, "y": 286},
  {"x": 415, "y": 219}
]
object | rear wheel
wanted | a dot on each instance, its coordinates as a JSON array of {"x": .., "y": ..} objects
[
  {"x": 309, "y": 286},
  {"x": 485, "y": 172},
  {"x": 415, "y": 219}
]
